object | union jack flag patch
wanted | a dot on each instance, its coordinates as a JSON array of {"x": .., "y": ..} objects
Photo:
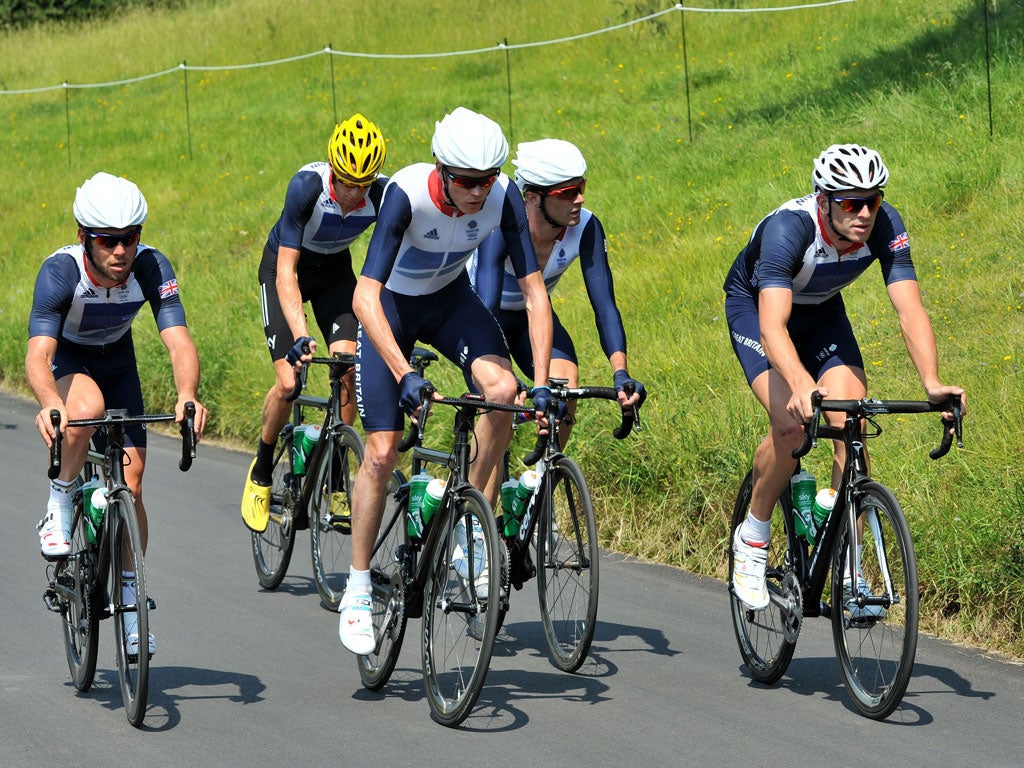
[
  {"x": 900, "y": 243},
  {"x": 170, "y": 288}
]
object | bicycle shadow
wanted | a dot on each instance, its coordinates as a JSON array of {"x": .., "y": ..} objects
[
  {"x": 294, "y": 585},
  {"x": 815, "y": 676},
  {"x": 162, "y": 712}
]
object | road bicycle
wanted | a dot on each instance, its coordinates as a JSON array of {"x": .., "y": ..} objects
[
  {"x": 559, "y": 526},
  {"x": 446, "y": 575},
  {"x": 86, "y": 585},
  {"x": 860, "y": 571},
  {"x": 312, "y": 491}
]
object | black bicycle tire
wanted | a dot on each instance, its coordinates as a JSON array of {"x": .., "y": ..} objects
[
  {"x": 330, "y": 584},
  {"x": 769, "y": 663},
  {"x": 272, "y": 549},
  {"x": 133, "y": 671},
  {"x": 448, "y": 710},
  {"x": 389, "y": 594},
  {"x": 900, "y": 624},
  {"x": 81, "y": 633},
  {"x": 568, "y": 640}
]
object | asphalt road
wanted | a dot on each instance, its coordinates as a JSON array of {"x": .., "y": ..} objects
[{"x": 245, "y": 677}]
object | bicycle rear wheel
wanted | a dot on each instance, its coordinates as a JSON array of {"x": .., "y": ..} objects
[
  {"x": 272, "y": 549},
  {"x": 766, "y": 638},
  {"x": 567, "y": 566},
  {"x": 391, "y": 560},
  {"x": 330, "y": 514},
  {"x": 460, "y": 608},
  {"x": 79, "y": 616},
  {"x": 876, "y": 642},
  {"x": 130, "y": 613}
]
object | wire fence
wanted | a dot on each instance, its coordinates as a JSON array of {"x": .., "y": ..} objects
[{"x": 184, "y": 68}]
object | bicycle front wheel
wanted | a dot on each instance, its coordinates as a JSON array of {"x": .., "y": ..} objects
[
  {"x": 78, "y": 608},
  {"x": 130, "y": 607},
  {"x": 460, "y": 608},
  {"x": 874, "y": 623},
  {"x": 567, "y": 565},
  {"x": 272, "y": 549},
  {"x": 766, "y": 638},
  {"x": 391, "y": 560},
  {"x": 330, "y": 514}
]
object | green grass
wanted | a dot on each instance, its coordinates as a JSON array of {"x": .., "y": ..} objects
[{"x": 766, "y": 93}]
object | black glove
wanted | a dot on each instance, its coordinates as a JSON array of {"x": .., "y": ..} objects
[
  {"x": 412, "y": 385},
  {"x": 622, "y": 378},
  {"x": 299, "y": 348},
  {"x": 541, "y": 397}
]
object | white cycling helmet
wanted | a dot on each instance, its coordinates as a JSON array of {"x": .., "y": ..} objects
[
  {"x": 843, "y": 167},
  {"x": 109, "y": 202},
  {"x": 547, "y": 162},
  {"x": 466, "y": 139}
]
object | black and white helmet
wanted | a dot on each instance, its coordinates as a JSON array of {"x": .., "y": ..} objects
[{"x": 843, "y": 167}]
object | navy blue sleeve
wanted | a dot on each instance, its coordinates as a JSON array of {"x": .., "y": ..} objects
[
  {"x": 160, "y": 287},
  {"x": 515, "y": 229},
  {"x": 597, "y": 277},
  {"x": 303, "y": 191},
  {"x": 783, "y": 239},
  {"x": 393, "y": 219},
  {"x": 53, "y": 294},
  {"x": 890, "y": 244},
  {"x": 490, "y": 270}
]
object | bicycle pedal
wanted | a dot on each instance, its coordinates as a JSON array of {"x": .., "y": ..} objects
[
  {"x": 50, "y": 600},
  {"x": 151, "y": 603}
]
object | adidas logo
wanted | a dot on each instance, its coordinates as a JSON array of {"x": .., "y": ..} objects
[
  {"x": 88, "y": 293},
  {"x": 432, "y": 235}
]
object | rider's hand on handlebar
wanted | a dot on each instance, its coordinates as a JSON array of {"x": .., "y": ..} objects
[
  {"x": 199, "y": 423},
  {"x": 411, "y": 397},
  {"x": 799, "y": 405},
  {"x": 302, "y": 350},
  {"x": 622, "y": 379},
  {"x": 942, "y": 393},
  {"x": 45, "y": 425}
]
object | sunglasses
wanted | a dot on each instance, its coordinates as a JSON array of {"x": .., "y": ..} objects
[
  {"x": 107, "y": 240},
  {"x": 855, "y": 204},
  {"x": 350, "y": 183},
  {"x": 567, "y": 193},
  {"x": 472, "y": 182}
]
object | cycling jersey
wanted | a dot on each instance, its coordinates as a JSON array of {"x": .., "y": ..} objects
[
  {"x": 789, "y": 250},
  {"x": 70, "y": 307},
  {"x": 497, "y": 285},
  {"x": 421, "y": 245},
  {"x": 312, "y": 222}
]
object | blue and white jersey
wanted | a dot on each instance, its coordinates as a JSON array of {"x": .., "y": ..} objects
[
  {"x": 420, "y": 244},
  {"x": 496, "y": 283},
  {"x": 789, "y": 250},
  {"x": 312, "y": 221},
  {"x": 68, "y": 305}
]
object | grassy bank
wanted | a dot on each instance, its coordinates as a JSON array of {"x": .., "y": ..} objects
[{"x": 685, "y": 154}]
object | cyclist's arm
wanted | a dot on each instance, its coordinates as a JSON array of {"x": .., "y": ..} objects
[
  {"x": 774, "y": 306},
  {"x": 368, "y": 309},
  {"x": 919, "y": 336},
  {"x": 288, "y": 294},
  {"x": 39, "y": 373},
  {"x": 185, "y": 368},
  {"x": 541, "y": 326}
]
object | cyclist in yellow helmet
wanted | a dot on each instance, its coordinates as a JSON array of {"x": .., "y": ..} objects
[{"x": 306, "y": 259}]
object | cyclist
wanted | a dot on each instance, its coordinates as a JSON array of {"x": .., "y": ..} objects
[
  {"x": 414, "y": 287},
  {"x": 790, "y": 330},
  {"x": 551, "y": 175},
  {"x": 81, "y": 359},
  {"x": 307, "y": 258}
]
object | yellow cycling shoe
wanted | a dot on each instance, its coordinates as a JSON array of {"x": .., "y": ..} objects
[
  {"x": 341, "y": 515},
  {"x": 255, "y": 503}
]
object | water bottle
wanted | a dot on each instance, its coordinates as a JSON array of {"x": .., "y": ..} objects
[
  {"x": 524, "y": 490},
  {"x": 298, "y": 457},
  {"x": 823, "y": 503},
  {"x": 803, "y": 486},
  {"x": 414, "y": 511},
  {"x": 94, "y": 506},
  {"x": 460, "y": 559},
  {"x": 432, "y": 497}
]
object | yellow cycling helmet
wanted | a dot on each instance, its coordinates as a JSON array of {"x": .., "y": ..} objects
[{"x": 356, "y": 151}]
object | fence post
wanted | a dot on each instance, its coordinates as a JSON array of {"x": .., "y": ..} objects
[
  {"x": 67, "y": 120},
  {"x": 188, "y": 112},
  {"x": 334, "y": 92},
  {"x": 508, "y": 86},
  {"x": 686, "y": 69}
]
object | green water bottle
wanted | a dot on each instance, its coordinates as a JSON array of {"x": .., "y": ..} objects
[
  {"x": 804, "y": 488},
  {"x": 94, "y": 506},
  {"x": 414, "y": 511},
  {"x": 823, "y": 503},
  {"x": 528, "y": 483}
]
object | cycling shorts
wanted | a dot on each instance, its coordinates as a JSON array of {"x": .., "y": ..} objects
[
  {"x": 327, "y": 285},
  {"x": 452, "y": 320},
  {"x": 114, "y": 369},
  {"x": 821, "y": 333},
  {"x": 515, "y": 325}
]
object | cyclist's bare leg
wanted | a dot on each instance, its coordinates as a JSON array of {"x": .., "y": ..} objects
[
  {"x": 773, "y": 458},
  {"x": 379, "y": 459},
  {"x": 275, "y": 407},
  {"x": 134, "y": 467},
  {"x": 348, "y": 402},
  {"x": 493, "y": 377},
  {"x": 83, "y": 400},
  {"x": 843, "y": 382}
]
